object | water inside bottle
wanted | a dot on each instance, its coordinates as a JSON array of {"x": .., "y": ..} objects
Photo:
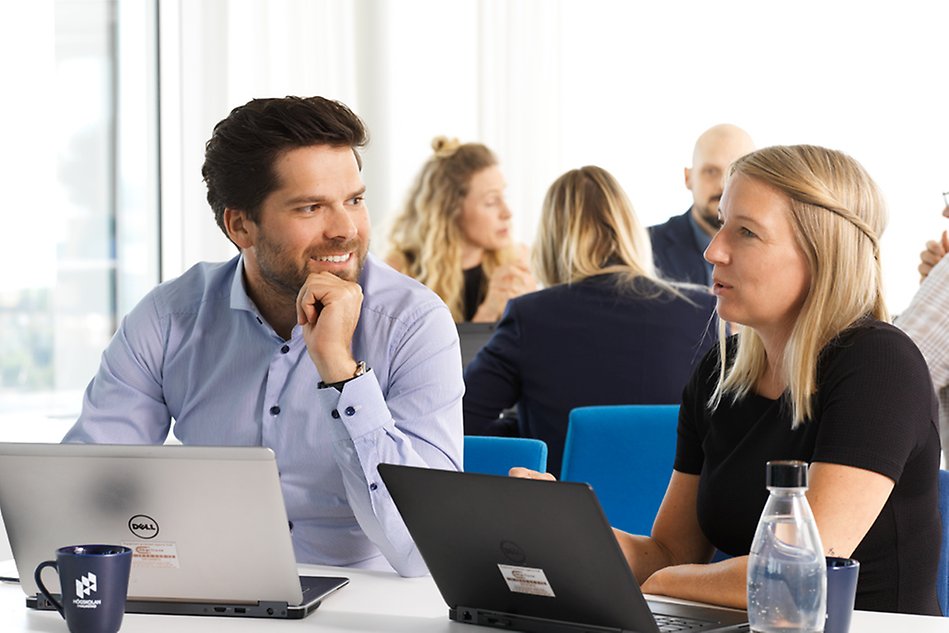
[{"x": 785, "y": 594}]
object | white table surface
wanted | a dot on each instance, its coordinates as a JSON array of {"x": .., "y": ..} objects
[{"x": 373, "y": 601}]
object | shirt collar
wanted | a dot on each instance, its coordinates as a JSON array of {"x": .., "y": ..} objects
[{"x": 240, "y": 300}]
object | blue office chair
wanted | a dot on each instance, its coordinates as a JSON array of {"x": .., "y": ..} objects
[
  {"x": 942, "y": 575},
  {"x": 497, "y": 455},
  {"x": 626, "y": 453}
]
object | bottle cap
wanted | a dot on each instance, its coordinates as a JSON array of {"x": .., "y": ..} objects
[{"x": 786, "y": 474}]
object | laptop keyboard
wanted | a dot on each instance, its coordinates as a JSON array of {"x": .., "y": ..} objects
[{"x": 670, "y": 624}]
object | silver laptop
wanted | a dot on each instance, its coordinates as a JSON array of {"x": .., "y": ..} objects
[{"x": 207, "y": 525}]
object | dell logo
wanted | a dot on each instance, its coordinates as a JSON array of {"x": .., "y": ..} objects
[
  {"x": 143, "y": 526},
  {"x": 513, "y": 552}
]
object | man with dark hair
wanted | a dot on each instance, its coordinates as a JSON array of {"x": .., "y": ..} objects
[
  {"x": 678, "y": 245},
  {"x": 303, "y": 343}
]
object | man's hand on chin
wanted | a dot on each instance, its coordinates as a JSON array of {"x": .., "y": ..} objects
[{"x": 328, "y": 309}]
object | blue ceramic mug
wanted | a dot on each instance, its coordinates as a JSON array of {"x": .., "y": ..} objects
[
  {"x": 842, "y": 575},
  {"x": 94, "y": 581}
]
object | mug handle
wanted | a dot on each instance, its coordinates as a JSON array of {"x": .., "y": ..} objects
[{"x": 42, "y": 587}]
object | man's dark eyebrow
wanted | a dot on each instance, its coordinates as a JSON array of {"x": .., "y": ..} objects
[
  {"x": 307, "y": 200},
  {"x": 321, "y": 199}
]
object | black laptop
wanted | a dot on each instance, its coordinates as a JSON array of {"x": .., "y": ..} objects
[{"x": 529, "y": 555}]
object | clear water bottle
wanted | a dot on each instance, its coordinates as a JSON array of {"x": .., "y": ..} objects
[{"x": 787, "y": 576}]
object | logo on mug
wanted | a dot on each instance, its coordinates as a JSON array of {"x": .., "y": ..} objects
[
  {"x": 143, "y": 526},
  {"x": 85, "y": 585}
]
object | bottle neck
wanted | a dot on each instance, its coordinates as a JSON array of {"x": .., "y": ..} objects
[{"x": 786, "y": 492}]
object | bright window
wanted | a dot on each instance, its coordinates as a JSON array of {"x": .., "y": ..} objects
[{"x": 79, "y": 244}]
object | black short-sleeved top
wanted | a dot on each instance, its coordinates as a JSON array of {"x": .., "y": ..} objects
[
  {"x": 874, "y": 409},
  {"x": 474, "y": 291}
]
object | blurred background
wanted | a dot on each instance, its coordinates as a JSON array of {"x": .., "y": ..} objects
[{"x": 107, "y": 105}]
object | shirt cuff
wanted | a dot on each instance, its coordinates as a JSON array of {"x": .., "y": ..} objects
[{"x": 359, "y": 409}]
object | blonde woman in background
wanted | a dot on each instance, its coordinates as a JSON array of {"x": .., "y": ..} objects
[
  {"x": 454, "y": 234},
  {"x": 606, "y": 330}
]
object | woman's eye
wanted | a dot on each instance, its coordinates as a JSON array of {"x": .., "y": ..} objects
[{"x": 746, "y": 233}]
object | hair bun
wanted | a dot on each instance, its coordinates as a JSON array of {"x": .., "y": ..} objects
[{"x": 444, "y": 146}]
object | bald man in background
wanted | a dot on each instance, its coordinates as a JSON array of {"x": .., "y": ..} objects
[{"x": 678, "y": 246}]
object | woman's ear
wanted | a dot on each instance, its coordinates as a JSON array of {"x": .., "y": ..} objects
[{"x": 240, "y": 228}]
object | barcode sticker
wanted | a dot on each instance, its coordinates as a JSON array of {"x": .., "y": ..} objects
[{"x": 526, "y": 580}]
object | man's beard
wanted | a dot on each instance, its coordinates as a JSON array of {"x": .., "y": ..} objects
[
  {"x": 283, "y": 275},
  {"x": 709, "y": 212}
]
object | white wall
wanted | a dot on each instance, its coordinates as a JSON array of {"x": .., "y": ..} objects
[{"x": 555, "y": 84}]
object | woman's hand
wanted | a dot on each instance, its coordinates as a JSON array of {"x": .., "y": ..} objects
[
  {"x": 506, "y": 282},
  {"x": 527, "y": 473}
]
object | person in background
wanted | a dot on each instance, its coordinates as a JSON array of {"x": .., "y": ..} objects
[
  {"x": 605, "y": 330},
  {"x": 679, "y": 243},
  {"x": 454, "y": 234},
  {"x": 926, "y": 320},
  {"x": 814, "y": 373},
  {"x": 303, "y": 343},
  {"x": 935, "y": 249}
]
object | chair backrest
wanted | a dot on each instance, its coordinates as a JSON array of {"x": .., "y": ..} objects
[
  {"x": 942, "y": 576},
  {"x": 497, "y": 455},
  {"x": 625, "y": 452}
]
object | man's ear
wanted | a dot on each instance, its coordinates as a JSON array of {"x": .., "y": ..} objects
[
  {"x": 240, "y": 228},
  {"x": 688, "y": 178}
]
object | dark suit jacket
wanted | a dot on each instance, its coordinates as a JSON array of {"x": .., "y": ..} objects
[
  {"x": 677, "y": 255},
  {"x": 589, "y": 343}
]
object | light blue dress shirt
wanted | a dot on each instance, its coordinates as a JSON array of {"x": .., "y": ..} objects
[{"x": 197, "y": 350}]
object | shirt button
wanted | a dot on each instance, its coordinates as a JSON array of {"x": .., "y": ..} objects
[
  {"x": 373, "y": 486},
  {"x": 274, "y": 410},
  {"x": 335, "y": 414},
  {"x": 284, "y": 349},
  {"x": 350, "y": 411}
]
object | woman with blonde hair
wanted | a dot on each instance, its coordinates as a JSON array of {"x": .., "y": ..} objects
[
  {"x": 454, "y": 234},
  {"x": 815, "y": 373},
  {"x": 606, "y": 330}
]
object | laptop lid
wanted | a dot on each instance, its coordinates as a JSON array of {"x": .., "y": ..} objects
[
  {"x": 471, "y": 338},
  {"x": 206, "y": 524},
  {"x": 528, "y": 554}
]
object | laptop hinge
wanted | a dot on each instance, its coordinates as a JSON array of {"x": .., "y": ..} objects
[{"x": 517, "y": 622}]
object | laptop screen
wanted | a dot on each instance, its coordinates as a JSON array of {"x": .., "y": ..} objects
[{"x": 472, "y": 337}]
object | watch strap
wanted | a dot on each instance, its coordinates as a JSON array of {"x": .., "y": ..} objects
[{"x": 360, "y": 370}]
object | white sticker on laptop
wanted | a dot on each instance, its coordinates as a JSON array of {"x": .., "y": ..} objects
[
  {"x": 161, "y": 555},
  {"x": 526, "y": 580}
]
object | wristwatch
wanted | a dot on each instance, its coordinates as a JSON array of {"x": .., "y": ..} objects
[{"x": 360, "y": 370}]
